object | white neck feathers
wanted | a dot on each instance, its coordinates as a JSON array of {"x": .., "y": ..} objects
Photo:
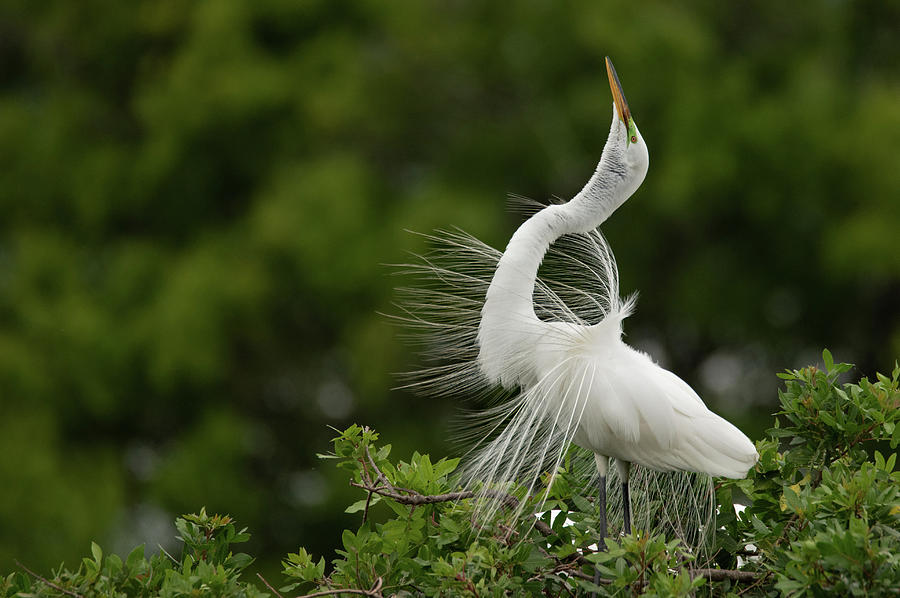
[{"x": 509, "y": 325}]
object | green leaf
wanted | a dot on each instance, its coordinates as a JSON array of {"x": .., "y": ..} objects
[
  {"x": 400, "y": 510},
  {"x": 361, "y": 504},
  {"x": 348, "y": 539},
  {"x": 239, "y": 561},
  {"x": 97, "y": 552},
  {"x": 445, "y": 467},
  {"x": 759, "y": 525},
  {"x": 113, "y": 565},
  {"x": 135, "y": 558},
  {"x": 534, "y": 560},
  {"x": 589, "y": 586},
  {"x": 582, "y": 504}
]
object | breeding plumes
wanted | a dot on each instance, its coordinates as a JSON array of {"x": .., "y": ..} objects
[{"x": 537, "y": 333}]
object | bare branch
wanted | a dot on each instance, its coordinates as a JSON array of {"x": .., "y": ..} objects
[
  {"x": 374, "y": 591},
  {"x": 379, "y": 476},
  {"x": 339, "y": 591},
  {"x": 268, "y": 585},
  {"x": 416, "y": 498},
  {"x": 723, "y": 574},
  {"x": 48, "y": 582}
]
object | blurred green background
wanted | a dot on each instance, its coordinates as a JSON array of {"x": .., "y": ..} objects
[{"x": 196, "y": 199}]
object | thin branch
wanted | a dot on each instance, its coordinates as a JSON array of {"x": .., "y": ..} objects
[
  {"x": 268, "y": 585},
  {"x": 860, "y": 437},
  {"x": 48, "y": 582},
  {"x": 374, "y": 591},
  {"x": 416, "y": 498},
  {"x": 583, "y": 575},
  {"x": 723, "y": 574},
  {"x": 165, "y": 552},
  {"x": 544, "y": 528},
  {"x": 339, "y": 591},
  {"x": 366, "y": 510},
  {"x": 380, "y": 476},
  {"x": 753, "y": 585}
]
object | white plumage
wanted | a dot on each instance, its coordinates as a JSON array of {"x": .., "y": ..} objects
[
  {"x": 625, "y": 406},
  {"x": 554, "y": 341}
]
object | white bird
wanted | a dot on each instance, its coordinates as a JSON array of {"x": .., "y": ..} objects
[{"x": 558, "y": 348}]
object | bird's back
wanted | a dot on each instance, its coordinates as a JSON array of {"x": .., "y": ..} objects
[{"x": 630, "y": 408}]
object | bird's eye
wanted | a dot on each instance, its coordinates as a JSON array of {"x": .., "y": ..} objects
[{"x": 634, "y": 139}]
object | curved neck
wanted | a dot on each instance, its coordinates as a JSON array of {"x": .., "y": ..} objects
[
  {"x": 509, "y": 326},
  {"x": 513, "y": 282},
  {"x": 512, "y": 287}
]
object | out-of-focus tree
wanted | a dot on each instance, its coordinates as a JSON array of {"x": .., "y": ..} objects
[{"x": 195, "y": 200}]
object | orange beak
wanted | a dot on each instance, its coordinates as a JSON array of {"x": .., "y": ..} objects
[{"x": 618, "y": 95}]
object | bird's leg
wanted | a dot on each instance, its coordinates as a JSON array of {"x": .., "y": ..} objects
[
  {"x": 601, "y": 498},
  {"x": 603, "y": 468},
  {"x": 624, "y": 471}
]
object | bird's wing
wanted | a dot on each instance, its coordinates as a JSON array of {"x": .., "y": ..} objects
[
  {"x": 657, "y": 420},
  {"x": 631, "y": 400}
]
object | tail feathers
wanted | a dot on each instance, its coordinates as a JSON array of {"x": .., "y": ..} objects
[{"x": 717, "y": 448}]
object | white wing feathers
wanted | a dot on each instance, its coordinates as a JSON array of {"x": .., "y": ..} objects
[{"x": 629, "y": 408}]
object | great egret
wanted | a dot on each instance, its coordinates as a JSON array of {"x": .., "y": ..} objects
[{"x": 554, "y": 341}]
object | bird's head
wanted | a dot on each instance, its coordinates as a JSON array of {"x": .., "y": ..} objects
[{"x": 625, "y": 152}]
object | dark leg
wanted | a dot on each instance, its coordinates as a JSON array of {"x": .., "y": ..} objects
[
  {"x": 601, "y": 543},
  {"x": 603, "y": 468},
  {"x": 624, "y": 472},
  {"x": 601, "y": 498}
]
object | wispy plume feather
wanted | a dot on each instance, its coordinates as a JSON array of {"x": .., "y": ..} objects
[{"x": 518, "y": 436}]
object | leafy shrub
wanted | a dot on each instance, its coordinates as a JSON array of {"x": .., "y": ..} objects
[
  {"x": 207, "y": 568},
  {"x": 823, "y": 517},
  {"x": 823, "y": 520},
  {"x": 825, "y": 502}
]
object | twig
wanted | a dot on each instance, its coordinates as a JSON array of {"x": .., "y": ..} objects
[
  {"x": 753, "y": 585},
  {"x": 366, "y": 510},
  {"x": 268, "y": 585},
  {"x": 544, "y": 528},
  {"x": 859, "y": 438},
  {"x": 165, "y": 552},
  {"x": 339, "y": 591},
  {"x": 583, "y": 575},
  {"x": 380, "y": 476},
  {"x": 47, "y": 581},
  {"x": 374, "y": 591},
  {"x": 416, "y": 498},
  {"x": 723, "y": 574}
]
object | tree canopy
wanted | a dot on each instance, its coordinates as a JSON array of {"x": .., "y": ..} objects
[{"x": 197, "y": 198}]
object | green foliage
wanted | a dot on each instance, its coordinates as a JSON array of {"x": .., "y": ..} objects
[
  {"x": 430, "y": 542},
  {"x": 823, "y": 517},
  {"x": 823, "y": 520},
  {"x": 645, "y": 563},
  {"x": 210, "y": 538},
  {"x": 207, "y": 568},
  {"x": 195, "y": 198}
]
